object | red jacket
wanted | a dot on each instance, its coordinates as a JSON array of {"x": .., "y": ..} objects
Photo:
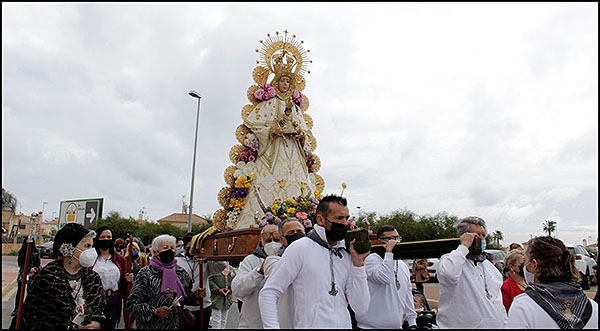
[{"x": 510, "y": 290}]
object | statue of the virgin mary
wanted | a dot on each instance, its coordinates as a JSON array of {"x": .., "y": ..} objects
[{"x": 275, "y": 161}]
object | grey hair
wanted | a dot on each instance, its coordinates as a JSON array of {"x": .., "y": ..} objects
[
  {"x": 289, "y": 219},
  {"x": 463, "y": 224},
  {"x": 159, "y": 240},
  {"x": 265, "y": 228}
]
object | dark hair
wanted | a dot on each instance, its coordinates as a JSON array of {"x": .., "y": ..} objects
[
  {"x": 99, "y": 231},
  {"x": 385, "y": 228},
  {"x": 187, "y": 238},
  {"x": 555, "y": 262},
  {"x": 71, "y": 233},
  {"x": 323, "y": 207}
]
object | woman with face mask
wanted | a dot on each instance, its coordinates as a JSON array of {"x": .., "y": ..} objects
[
  {"x": 112, "y": 269},
  {"x": 553, "y": 299},
  {"x": 67, "y": 293},
  {"x": 160, "y": 289},
  {"x": 515, "y": 283}
]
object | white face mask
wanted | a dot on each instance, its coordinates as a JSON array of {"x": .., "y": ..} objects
[
  {"x": 272, "y": 248},
  {"x": 529, "y": 277},
  {"x": 87, "y": 257}
]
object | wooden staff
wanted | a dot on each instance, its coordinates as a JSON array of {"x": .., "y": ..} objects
[
  {"x": 129, "y": 268},
  {"x": 25, "y": 272}
]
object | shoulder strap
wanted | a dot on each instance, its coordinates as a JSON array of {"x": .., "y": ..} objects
[{"x": 314, "y": 236}]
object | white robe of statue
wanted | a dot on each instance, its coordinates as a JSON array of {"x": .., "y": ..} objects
[{"x": 280, "y": 165}]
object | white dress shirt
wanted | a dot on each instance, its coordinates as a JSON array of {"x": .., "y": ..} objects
[
  {"x": 193, "y": 269},
  {"x": 247, "y": 284},
  {"x": 388, "y": 303},
  {"x": 524, "y": 313},
  {"x": 109, "y": 273},
  {"x": 306, "y": 265},
  {"x": 463, "y": 298}
]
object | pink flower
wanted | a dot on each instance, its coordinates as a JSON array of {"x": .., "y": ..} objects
[
  {"x": 307, "y": 223},
  {"x": 301, "y": 215},
  {"x": 265, "y": 92},
  {"x": 251, "y": 158},
  {"x": 297, "y": 96}
]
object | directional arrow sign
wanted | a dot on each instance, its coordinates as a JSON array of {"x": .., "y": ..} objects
[{"x": 91, "y": 215}]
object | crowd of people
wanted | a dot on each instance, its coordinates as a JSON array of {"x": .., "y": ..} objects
[{"x": 296, "y": 278}]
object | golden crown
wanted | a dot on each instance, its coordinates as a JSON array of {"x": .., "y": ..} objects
[{"x": 283, "y": 53}]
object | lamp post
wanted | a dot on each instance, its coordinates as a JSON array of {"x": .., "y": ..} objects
[{"x": 196, "y": 95}]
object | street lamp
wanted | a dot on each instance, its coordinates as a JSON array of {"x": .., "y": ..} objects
[{"x": 196, "y": 95}]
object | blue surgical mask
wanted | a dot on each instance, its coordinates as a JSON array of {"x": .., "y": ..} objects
[
  {"x": 134, "y": 252},
  {"x": 483, "y": 245}
]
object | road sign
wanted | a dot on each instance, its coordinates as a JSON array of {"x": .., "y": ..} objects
[{"x": 84, "y": 211}]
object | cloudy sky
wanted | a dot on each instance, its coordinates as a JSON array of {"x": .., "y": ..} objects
[{"x": 486, "y": 109}]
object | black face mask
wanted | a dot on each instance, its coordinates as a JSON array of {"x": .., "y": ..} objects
[
  {"x": 123, "y": 246},
  {"x": 188, "y": 254},
  {"x": 521, "y": 273},
  {"x": 105, "y": 244},
  {"x": 293, "y": 237},
  {"x": 337, "y": 232},
  {"x": 167, "y": 256}
]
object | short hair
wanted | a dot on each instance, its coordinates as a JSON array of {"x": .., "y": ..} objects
[
  {"x": 287, "y": 220},
  {"x": 385, "y": 228},
  {"x": 265, "y": 228},
  {"x": 463, "y": 224},
  {"x": 187, "y": 238},
  {"x": 511, "y": 259},
  {"x": 514, "y": 246},
  {"x": 555, "y": 262},
  {"x": 323, "y": 206},
  {"x": 159, "y": 240}
]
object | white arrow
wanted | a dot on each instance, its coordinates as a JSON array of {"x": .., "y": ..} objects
[{"x": 91, "y": 215}]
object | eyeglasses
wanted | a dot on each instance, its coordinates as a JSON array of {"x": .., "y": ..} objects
[{"x": 397, "y": 238}]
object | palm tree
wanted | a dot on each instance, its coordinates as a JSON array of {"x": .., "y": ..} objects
[
  {"x": 9, "y": 202},
  {"x": 549, "y": 226},
  {"x": 498, "y": 236}
]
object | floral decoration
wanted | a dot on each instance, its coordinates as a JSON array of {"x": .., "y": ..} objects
[
  {"x": 302, "y": 207},
  {"x": 251, "y": 142},
  {"x": 310, "y": 162},
  {"x": 297, "y": 97},
  {"x": 67, "y": 249},
  {"x": 265, "y": 92}
]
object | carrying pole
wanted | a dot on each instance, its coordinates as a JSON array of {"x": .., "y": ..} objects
[{"x": 25, "y": 271}]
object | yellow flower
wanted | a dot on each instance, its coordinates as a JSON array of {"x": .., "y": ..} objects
[
  {"x": 318, "y": 194},
  {"x": 241, "y": 182},
  {"x": 291, "y": 211},
  {"x": 275, "y": 208},
  {"x": 289, "y": 201},
  {"x": 343, "y": 185},
  {"x": 252, "y": 176}
]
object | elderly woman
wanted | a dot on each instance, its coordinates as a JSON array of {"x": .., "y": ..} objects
[
  {"x": 160, "y": 289},
  {"x": 515, "y": 282},
  {"x": 66, "y": 293},
  {"x": 553, "y": 298}
]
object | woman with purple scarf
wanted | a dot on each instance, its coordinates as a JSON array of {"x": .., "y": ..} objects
[{"x": 160, "y": 289}]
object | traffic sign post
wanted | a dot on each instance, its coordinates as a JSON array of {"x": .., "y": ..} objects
[{"x": 83, "y": 211}]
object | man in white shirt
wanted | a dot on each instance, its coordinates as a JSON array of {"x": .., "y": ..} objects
[
  {"x": 192, "y": 267},
  {"x": 324, "y": 275},
  {"x": 470, "y": 295},
  {"x": 250, "y": 279},
  {"x": 290, "y": 230},
  {"x": 390, "y": 287}
]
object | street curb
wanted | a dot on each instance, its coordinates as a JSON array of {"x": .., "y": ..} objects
[{"x": 7, "y": 286}]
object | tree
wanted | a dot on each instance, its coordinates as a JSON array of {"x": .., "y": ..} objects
[
  {"x": 9, "y": 202},
  {"x": 498, "y": 236},
  {"x": 549, "y": 226}
]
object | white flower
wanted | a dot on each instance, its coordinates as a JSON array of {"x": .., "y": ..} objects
[{"x": 243, "y": 169}]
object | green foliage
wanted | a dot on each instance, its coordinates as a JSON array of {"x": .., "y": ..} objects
[
  {"x": 412, "y": 227},
  {"x": 9, "y": 202},
  {"x": 122, "y": 227},
  {"x": 549, "y": 226}
]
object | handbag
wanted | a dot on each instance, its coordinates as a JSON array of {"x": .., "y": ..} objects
[{"x": 187, "y": 320}]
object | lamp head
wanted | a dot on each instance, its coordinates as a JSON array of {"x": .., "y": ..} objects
[{"x": 195, "y": 94}]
